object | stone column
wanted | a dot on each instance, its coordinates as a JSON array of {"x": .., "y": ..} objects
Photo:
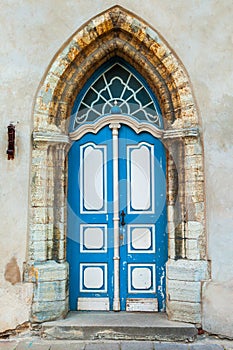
[
  {"x": 46, "y": 266},
  {"x": 60, "y": 205},
  {"x": 187, "y": 266},
  {"x": 39, "y": 207}
]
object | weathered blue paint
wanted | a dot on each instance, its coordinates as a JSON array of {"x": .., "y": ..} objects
[
  {"x": 128, "y": 137},
  {"x": 75, "y": 257}
]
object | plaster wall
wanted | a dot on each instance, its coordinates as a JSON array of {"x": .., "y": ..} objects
[{"x": 200, "y": 33}]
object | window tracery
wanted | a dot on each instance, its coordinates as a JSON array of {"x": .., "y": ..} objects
[{"x": 117, "y": 91}]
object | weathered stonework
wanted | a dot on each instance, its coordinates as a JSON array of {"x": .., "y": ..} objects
[
  {"x": 116, "y": 32},
  {"x": 50, "y": 289}
]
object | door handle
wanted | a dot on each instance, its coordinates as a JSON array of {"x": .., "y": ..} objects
[{"x": 122, "y": 214}]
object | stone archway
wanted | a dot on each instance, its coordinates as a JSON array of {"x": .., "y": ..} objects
[{"x": 116, "y": 32}]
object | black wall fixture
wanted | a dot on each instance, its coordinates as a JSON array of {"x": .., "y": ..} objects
[{"x": 11, "y": 142}]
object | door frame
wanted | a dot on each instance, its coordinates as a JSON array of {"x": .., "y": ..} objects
[{"x": 104, "y": 36}]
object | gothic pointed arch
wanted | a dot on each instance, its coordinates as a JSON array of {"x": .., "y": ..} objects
[{"x": 116, "y": 32}]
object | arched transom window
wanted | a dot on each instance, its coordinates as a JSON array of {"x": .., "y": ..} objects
[{"x": 116, "y": 89}]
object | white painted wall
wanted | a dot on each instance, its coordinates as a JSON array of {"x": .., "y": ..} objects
[{"x": 200, "y": 33}]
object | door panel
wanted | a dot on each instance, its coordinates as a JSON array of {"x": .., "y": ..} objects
[
  {"x": 90, "y": 243},
  {"x": 90, "y": 228},
  {"x": 142, "y": 178}
]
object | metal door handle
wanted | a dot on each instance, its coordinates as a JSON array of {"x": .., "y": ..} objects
[{"x": 122, "y": 214}]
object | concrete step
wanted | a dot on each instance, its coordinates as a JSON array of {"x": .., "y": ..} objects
[{"x": 118, "y": 326}]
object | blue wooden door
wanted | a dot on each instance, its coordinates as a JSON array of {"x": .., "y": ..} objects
[{"x": 142, "y": 225}]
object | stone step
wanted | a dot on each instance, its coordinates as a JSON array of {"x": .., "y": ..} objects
[{"x": 118, "y": 326}]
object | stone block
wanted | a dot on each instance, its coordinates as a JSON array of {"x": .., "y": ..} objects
[
  {"x": 194, "y": 229},
  {"x": 184, "y": 291},
  {"x": 38, "y": 250},
  {"x": 184, "y": 311},
  {"x": 39, "y": 156},
  {"x": 59, "y": 67},
  {"x": 50, "y": 215},
  {"x": 193, "y": 149},
  {"x": 62, "y": 250},
  {"x": 194, "y": 174},
  {"x": 188, "y": 270},
  {"x": 50, "y": 250},
  {"x": 171, "y": 248},
  {"x": 39, "y": 173},
  {"x": 198, "y": 197},
  {"x": 60, "y": 213},
  {"x": 193, "y": 188},
  {"x": 193, "y": 161},
  {"x": 39, "y": 215},
  {"x": 49, "y": 291},
  {"x": 38, "y": 232},
  {"x": 50, "y": 310},
  {"x": 59, "y": 231},
  {"x": 49, "y": 231},
  {"x": 200, "y": 211},
  {"x": 38, "y": 196},
  {"x": 171, "y": 229},
  {"x": 47, "y": 271},
  {"x": 170, "y": 213},
  {"x": 192, "y": 249}
]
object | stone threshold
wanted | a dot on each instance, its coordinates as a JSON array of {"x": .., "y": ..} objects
[{"x": 118, "y": 326}]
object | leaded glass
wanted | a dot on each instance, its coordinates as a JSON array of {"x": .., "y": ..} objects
[{"x": 117, "y": 86}]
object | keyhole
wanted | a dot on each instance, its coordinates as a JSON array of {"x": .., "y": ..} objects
[{"x": 122, "y": 218}]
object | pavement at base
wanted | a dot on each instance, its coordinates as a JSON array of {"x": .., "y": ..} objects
[{"x": 36, "y": 343}]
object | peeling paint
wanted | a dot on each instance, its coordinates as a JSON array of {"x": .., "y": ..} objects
[{"x": 161, "y": 288}]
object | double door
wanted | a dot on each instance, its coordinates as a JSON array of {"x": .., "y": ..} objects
[{"x": 117, "y": 242}]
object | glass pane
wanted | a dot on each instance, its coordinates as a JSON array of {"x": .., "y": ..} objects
[
  {"x": 134, "y": 83},
  {"x": 118, "y": 71},
  {"x": 143, "y": 97},
  {"x": 90, "y": 97},
  {"x": 99, "y": 84},
  {"x": 116, "y": 88}
]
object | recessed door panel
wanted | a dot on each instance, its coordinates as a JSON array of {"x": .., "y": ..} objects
[
  {"x": 141, "y": 238},
  {"x": 140, "y": 175},
  {"x": 93, "y": 189}
]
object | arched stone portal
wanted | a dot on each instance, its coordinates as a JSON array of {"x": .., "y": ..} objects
[{"x": 116, "y": 32}]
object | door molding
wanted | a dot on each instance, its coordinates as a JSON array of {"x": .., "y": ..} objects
[
  {"x": 136, "y": 126},
  {"x": 116, "y": 257},
  {"x": 116, "y": 32}
]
